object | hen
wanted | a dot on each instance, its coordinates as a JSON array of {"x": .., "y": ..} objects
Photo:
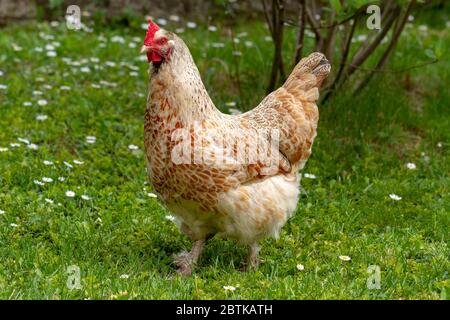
[{"x": 232, "y": 175}]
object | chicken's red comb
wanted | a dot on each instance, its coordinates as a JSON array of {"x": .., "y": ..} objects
[{"x": 152, "y": 28}]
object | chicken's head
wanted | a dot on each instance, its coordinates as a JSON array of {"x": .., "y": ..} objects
[{"x": 158, "y": 43}]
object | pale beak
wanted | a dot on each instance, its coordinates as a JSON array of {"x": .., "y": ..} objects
[{"x": 146, "y": 48}]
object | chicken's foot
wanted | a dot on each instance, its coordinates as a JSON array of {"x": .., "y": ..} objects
[
  {"x": 186, "y": 261},
  {"x": 252, "y": 261}
]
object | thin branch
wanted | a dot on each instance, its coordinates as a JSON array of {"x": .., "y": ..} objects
[
  {"x": 328, "y": 47},
  {"x": 266, "y": 16},
  {"x": 362, "y": 54},
  {"x": 336, "y": 24},
  {"x": 343, "y": 61},
  {"x": 300, "y": 33},
  {"x": 315, "y": 28},
  {"x": 387, "y": 71}
]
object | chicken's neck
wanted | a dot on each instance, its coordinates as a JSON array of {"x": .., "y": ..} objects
[{"x": 177, "y": 91}]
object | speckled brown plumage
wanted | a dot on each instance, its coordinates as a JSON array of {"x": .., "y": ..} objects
[{"x": 237, "y": 200}]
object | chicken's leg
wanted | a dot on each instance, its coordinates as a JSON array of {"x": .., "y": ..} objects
[
  {"x": 185, "y": 261},
  {"x": 252, "y": 261}
]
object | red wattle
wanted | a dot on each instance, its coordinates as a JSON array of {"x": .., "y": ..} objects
[{"x": 156, "y": 57}]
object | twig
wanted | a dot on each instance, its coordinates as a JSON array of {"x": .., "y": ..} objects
[
  {"x": 363, "y": 53},
  {"x": 315, "y": 28},
  {"x": 300, "y": 33},
  {"x": 266, "y": 16},
  {"x": 387, "y": 71},
  {"x": 396, "y": 35}
]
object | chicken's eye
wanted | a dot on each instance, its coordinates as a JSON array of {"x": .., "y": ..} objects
[{"x": 162, "y": 41}]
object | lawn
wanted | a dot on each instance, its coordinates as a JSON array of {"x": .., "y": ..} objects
[{"x": 378, "y": 189}]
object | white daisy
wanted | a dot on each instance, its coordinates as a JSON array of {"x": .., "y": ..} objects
[
  {"x": 42, "y": 102},
  {"x": 37, "y": 92},
  {"x": 170, "y": 217},
  {"x": 152, "y": 195},
  {"x": 300, "y": 267},
  {"x": 85, "y": 70},
  {"x": 234, "y": 111},
  {"x": 91, "y": 139},
  {"x": 46, "y": 179},
  {"x": 309, "y": 176},
  {"x": 41, "y": 117},
  {"x": 395, "y": 197},
  {"x": 27, "y": 104},
  {"x": 68, "y": 164},
  {"x": 218, "y": 45},
  {"x": 178, "y": 30},
  {"x": 3, "y": 87},
  {"x": 65, "y": 88},
  {"x": 16, "y": 47},
  {"x": 345, "y": 258},
  {"x": 39, "y": 183},
  {"x": 191, "y": 25},
  {"x": 78, "y": 162},
  {"x": 124, "y": 276},
  {"x": 411, "y": 166},
  {"x": 61, "y": 179},
  {"x": 1, "y": 73},
  {"x": 14, "y": 225},
  {"x": 439, "y": 145},
  {"x": 161, "y": 21},
  {"x": 48, "y": 163},
  {"x": 85, "y": 197},
  {"x": 212, "y": 28},
  {"x": 15, "y": 145},
  {"x": 32, "y": 146},
  {"x": 51, "y": 54},
  {"x": 3, "y": 149},
  {"x": 229, "y": 288},
  {"x": 49, "y": 200},
  {"x": 24, "y": 140},
  {"x": 174, "y": 18},
  {"x": 133, "y": 147},
  {"x": 361, "y": 38},
  {"x": 118, "y": 39},
  {"x": 2, "y": 212},
  {"x": 248, "y": 44},
  {"x": 70, "y": 194}
]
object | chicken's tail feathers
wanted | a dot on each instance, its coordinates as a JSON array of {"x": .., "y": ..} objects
[{"x": 309, "y": 73}]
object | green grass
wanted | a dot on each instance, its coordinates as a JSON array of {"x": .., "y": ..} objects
[{"x": 359, "y": 158}]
